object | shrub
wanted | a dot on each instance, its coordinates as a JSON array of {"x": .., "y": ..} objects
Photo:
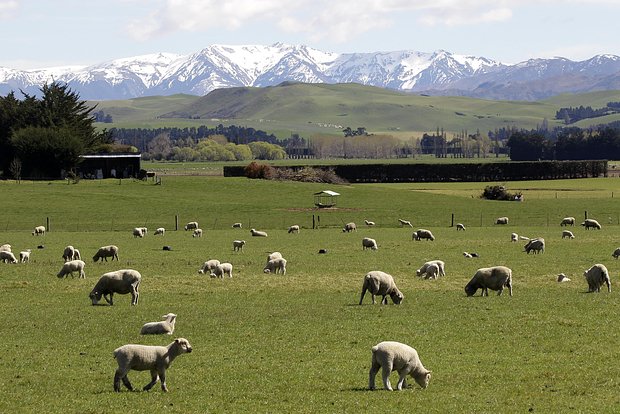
[
  {"x": 499, "y": 192},
  {"x": 256, "y": 170}
]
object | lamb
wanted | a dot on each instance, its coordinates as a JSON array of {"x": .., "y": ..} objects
[
  {"x": 197, "y": 233},
  {"x": 535, "y": 245},
  {"x": 106, "y": 251},
  {"x": 68, "y": 253},
  {"x": 147, "y": 358},
  {"x": 257, "y": 233},
  {"x": 568, "y": 221},
  {"x": 423, "y": 234},
  {"x": 460, "y": 226},
  {"x": 616, "y": 253},
  {"x": 277, "y": 265},
  {"x": 494, "y": 278},
  {"x": 138, "y": 232},
  {"x": 369, "y": 223},
  {"x": 39, "y": 231},
  {"x": 7, "y": 257},
  {"x": 274, "y": 255},
  {"x": 591, "y": 223},
  {"x": 404, "y": 223},
  {"x": 596, "y": 276},
  {"x": 162, "y": 327},
  {"x": 501, "y": 220},
  {"x": 159, "y": 231},
  {"x": 562, "y": 278},
  {"x": 76, "y": 255},
  {"x": 439, "y": 263},
  {"x": 24, "y": 256},
  {"x": 293, "y": 229},
  {"x": 192, "y": 225},
  {"x": 349, "y": 227},
  {"x": 72, "y": 266},
  {"x": 237, "y": 225},
  {"x": 144, "y": 230},
  {"x": 368, "y": 243},
  {"x": 209, "y": 265},
  {"x": 514, "y": 237},
  {"x": 381, "y": 283},
  {"x": 395, "y": 356},
  {"x": 567, "y": 234},
  {"x": 121, "y": 281},
  {"x": 238, "y": 245},
  {"x": 432, "y": 270},
  {"x": 221, "y": 270}
]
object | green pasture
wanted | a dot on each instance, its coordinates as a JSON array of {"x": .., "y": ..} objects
[{"x": 300, "y": 342}]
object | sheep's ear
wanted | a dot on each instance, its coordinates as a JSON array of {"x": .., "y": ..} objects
[{"x": 176, "y": 340}]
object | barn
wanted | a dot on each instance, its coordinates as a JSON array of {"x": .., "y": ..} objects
[{"x": 114, "y": 165}]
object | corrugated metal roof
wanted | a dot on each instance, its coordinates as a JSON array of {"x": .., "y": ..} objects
[{"x": 327, "y": 192}]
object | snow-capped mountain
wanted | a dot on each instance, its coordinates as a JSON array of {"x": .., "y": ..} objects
[{"x": 220, "y": 66}]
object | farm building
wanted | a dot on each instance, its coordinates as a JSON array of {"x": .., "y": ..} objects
[
  {"x": 116, "y": 165},
  {"x": 326, "y": 198}
]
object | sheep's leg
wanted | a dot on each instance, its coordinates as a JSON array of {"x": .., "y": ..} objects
[
  {"x": 374, "y": 368},
  {"x": 385, "y": 373},
  {"x": 402, "y": 380},
  {"x": 134, "y": 295},
  {"x": 154, "y": 378},
  {"x": 162, "y": 377},
  {"x": 118, "y": 376},
  {"x": 363, "y": 293},
  {"x": 384, "y": 300}
]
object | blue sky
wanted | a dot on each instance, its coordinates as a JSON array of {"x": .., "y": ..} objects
[{"x": 42, "y": 33}]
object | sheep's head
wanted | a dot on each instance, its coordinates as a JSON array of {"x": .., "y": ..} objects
[
  {"x": 423, "y": 378},
  {"x": 183, "y": 345},
  {"x": 95, "y": 258},
  {"x": 471, "y": 288},
  {"x": 95, "y": 297},
  {"x": 397, "y": 296}
]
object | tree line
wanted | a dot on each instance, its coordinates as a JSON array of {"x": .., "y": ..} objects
[{"x": 571, "y": 115}]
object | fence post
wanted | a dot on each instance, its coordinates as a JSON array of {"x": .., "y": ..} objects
[
  {"x": 176, "y": 222},
  {"x": 452, "y": 221},
  {"x": 47, "y": 222},
  {"x": 313, "y": 224},
  {"x": 585, "y": 214}
]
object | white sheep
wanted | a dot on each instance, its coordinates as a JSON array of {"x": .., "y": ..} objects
[
  {"x": 106, "y": 251},
  {"x": 274, "y": 255},
  {"x": 536, "y": 245},
  {"x": 404, "y": 223},
  {"x": 349, "y": 227},
  {"x": 616, "y": 253},
  {"x": 72, "y": 266},
  {"x": 369, "y": 223},
  {"x": 147, "y": 358},
  {"x": 494, "y": 278},
  {"x": 596, "y": 276},
  {"x": 368, "y": 243},
  {"x": 208, "y": 266},
  {"x": 138, "y": 232},
  {"x": 562, "y": 278},
  {"x": 191, "y": 225},
  {"x": 567, "y": 234},
  {"x": 24, "y": 256},
  {"x": 68, "y": 253},
  {"x": 293, "y": 229},
  {"x": 222, "y": 269},
  {"x": 238, "y": 245},
  {"x": 514, "y": 237},
  {"x": 76, "y": 255},
  {"x": 441, "y": 265},
  {"x": 162, "y": 327},
  {"x": 7, "y": 257},
  {"x": 237, "y": 225},
  {"x": 423, "y": 234},
  {"x": 591, "y": 223},
  {"x": 460, "y": 226},
  {"x": 381, "y": 283},
  {"x": 395, "y": 356},
  {"x": 197, "y": 233},
  {"x": 159, "y": 231},
  {"x": 568, "y": 221},
  {"x": 257, "y": 233},
  {"x": 432, "y": 271},
  {"x": 277, "y": 265},
  {"x": 39, "y": 231},
  {"x": 121, "y": 281},
  {"x": 144, "y": 230},
  {"x": 501, "y": 220},
  {"x": 5, "y": 248}
]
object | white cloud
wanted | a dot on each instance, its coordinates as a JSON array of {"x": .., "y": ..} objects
[{"x": 7, "y": 8}]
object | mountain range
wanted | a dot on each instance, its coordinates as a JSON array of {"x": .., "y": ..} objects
[{"x": 221, "y": 66}]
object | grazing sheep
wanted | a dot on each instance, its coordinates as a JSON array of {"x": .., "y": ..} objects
[
  {"x": 197, "y": 233},
  {"x": 440, "y": 264},
  {"x": 39, "y": 231},
  {"x": 349, "y": 227},
  {"x": 76, "y": 255},
  {"x": 192, "y": 225},
  {"x": 616, "y": 253},
  {"x": 567, "y": 234},
  {"x": 381, "y": 283},
  {"x": 432, "y": 271},
  {"x": 24, "y": 256},
  {"x": 7, "y": 257},
  {"x": 591, "y": 223},
  {"x": 395, "y": 356},
  {"x": 257, "y": 233},
  {"x": 162, "y": 327},
  {"x": 209, "y": 265},
  {"x": 421, "y": 234},
  {"x": 460, "y": 226},
  {"x": 72, "y": 266},
  {"x": 167, "y": 248},
  {"x": 501, "y": 220},
  {"x": 535, "y": 245},
  {"x": 121, "y": 281},
  {"x": 514, "y": 237},
  {"x": 596, "y": 276},
  {"x": 568, "y": 221},
  {"x": 277, "y": 265},
  {"x": 5, "y": 248},
  {"x": 293, "y": 229},
  {"x": 106, "y": 251},
  {"x": 144, "y": 230},
  {"x": 138, "y": 232},
  {"x": 562, "y": 278},
  {"x": 368, "y": 243},
  {"x": 221, "y": 270},
  {"x": 237, "y": 225},
  {"x": 494, "y": 278},
  {"x": 474, "y": 254},
  {"x": 369, "y": 223},
  {"x": 238, "y": 245},
  {"x": 68, "y": 253},
  {"x": 159, "y": 231},
  {"x": 147, "y": 358},
  {"x": 404, "y": 223}
]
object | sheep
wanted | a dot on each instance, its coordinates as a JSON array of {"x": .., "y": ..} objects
[
  {"x": 369, "y": 223},
  {"x": 562, "y": 278},
  {"x": 277, "y": 265},
  {"x": 293, "y": 229},
  {"x": 257, "y": 233},
  {"x": 5, "y": 248},
  {"x": 147, "y": 358},
  {"x": 349, "y": 227},
  {"x": 596, "y": 276},
  {"x": 514, "y": 237},
  {"x": 591, "y": 223},
  {"x": 395, "y": 356},
  {"x": 567, "y": 234},
  {"x": 423, "y": 234},
  {"x": 144, "y": 230},
  {"x": 24, "y": 256},
  {"x": 72, "y": 266},
  {"x": 404, "y": 223},
  {"x": 237, "y": 225},
  {"x": 439, "y": 263},
  {"x": 368, "y": 243},
  {"x": 467, "y": 255},
  {"x": 7, "y": 257},
  {"x": 192, "y": 225},
  {"x": 162, "y": 327},
  {"x": 501, "y": 220},
  {"x": 221, "y": 270},
  {"x": 494, "y": 278},
  {"x": 209, "y": 265},
  {"x": 121, "y": 281},
  {"x": 616, "y": 253},
  {"x": 274, "y": 255},
  {"x": 460, "y": 226},
  {"x": 138, "y": 232},
  {"x": 76, "y": 255},
  {"x": 68, "y": 253},
  {"x": 568, "y": 221},
  {"x": 432, "y": 270},
  {"x": 238, "y": 245},
  {"x": 535, "y": 245},
  {"x": 106, "y": 251},
  {"x": 197, "y": 233},
  {"x": 39, "y": 231},
  {"x": 381, "y": 283},
  {"x": 159, "y": 231}
]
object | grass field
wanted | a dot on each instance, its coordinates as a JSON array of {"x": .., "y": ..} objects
[{"x": 300, "y": 342}]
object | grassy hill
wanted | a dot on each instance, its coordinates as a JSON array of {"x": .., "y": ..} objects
[{"x": 323, "y": 108}]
